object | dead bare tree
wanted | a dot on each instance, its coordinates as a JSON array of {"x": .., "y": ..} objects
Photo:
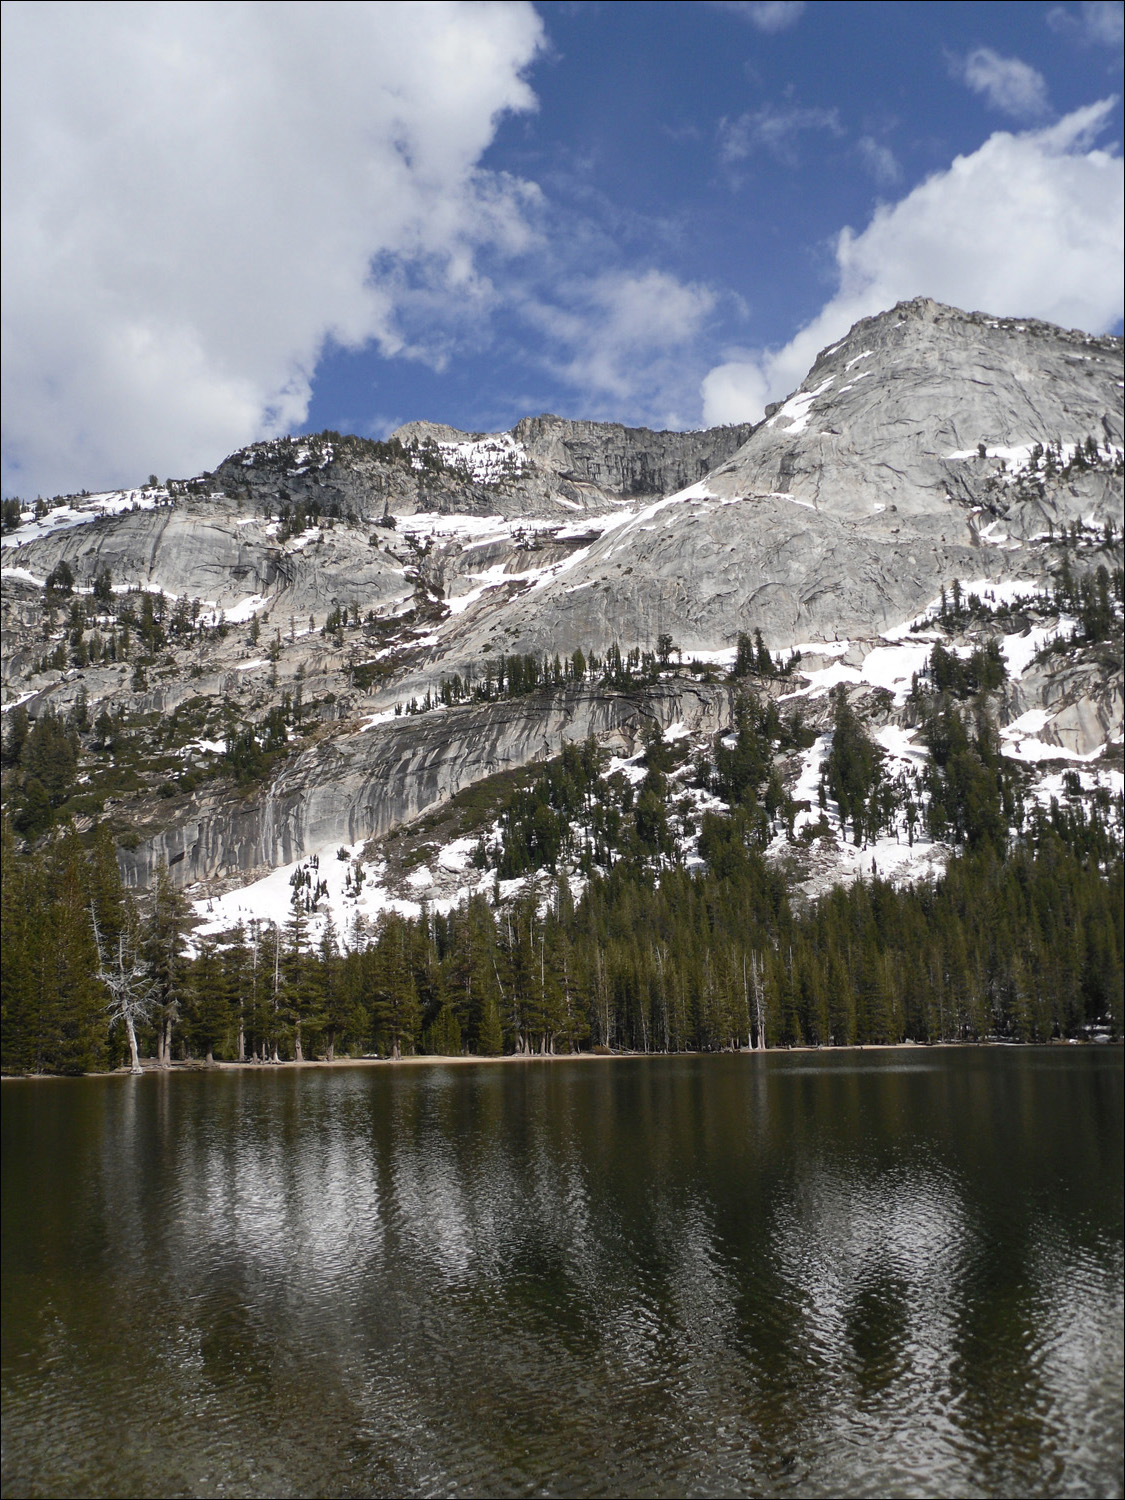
[{"x": 128, "y": 978}]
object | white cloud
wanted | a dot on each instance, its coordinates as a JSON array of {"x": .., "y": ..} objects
[
  {"x": 1029, "y": 225},
  {"x": 770, "y": 16},
  {"x": 1097, "y": 23},
  {"x": 626, "y": 334},
  {"x": 197, "y": 196},
  {"x": 1009, "y": 85},
  {"x": 879, "y": 160},
  {"x": 774, "y": 130}
]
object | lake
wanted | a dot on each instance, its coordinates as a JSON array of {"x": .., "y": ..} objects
[{"x": 862, "y": 1273}]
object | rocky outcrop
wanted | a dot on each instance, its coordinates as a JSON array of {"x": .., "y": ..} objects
[
  {"x": 844, "y": 512},
  {"x": 704, "y": 570},
  {"x": 557, "y": 465},
  {"x": 878, "y": 418},
  {"x": 224, "y": 554},
  {"x": 627, "y": 462},
  {"x": 357, "y": 484},
  {"x": 200, "y": 549},
  {"x": 361, "y": 785},
  {"x": 1085, "y": 701}
]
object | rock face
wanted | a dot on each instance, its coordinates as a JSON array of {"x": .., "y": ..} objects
[
  {"x": 847, "y": 508},
  {"x": 199, "y": 543},
  {"x": 1085, "y": 701},
  {"x": 626, "y": 462},
  {"x": 363, "y": 784},
  {"x": 618, "y": 462},
  {"x": 544, "y": 466},
  {"x": 703, "y": 570},
  {"x": 928, "y": 445},
  {"x": 896, "y": 413}
]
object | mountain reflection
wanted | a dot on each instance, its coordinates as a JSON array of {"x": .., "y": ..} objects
[{"x": 774, "y": 1274}]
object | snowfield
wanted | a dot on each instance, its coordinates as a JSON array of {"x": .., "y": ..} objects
[
  {"x": 486, "y": 460},
  {"x": 80, "y": 511},
  {"x": 269, "y": 899}
]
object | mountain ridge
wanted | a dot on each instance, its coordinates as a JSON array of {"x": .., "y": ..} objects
[{"x": 313, "y": 593}]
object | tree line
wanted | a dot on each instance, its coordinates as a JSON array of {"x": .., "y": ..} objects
[{"x": 1020, "y": 938}]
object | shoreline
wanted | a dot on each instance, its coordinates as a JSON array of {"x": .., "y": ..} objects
[{"x": 153, "y": 1069}]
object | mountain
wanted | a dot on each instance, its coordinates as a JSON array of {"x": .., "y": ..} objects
[{"x": 328, "y": 642}]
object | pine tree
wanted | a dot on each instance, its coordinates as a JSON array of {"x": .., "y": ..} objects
[{"x": 167, "y": 929}]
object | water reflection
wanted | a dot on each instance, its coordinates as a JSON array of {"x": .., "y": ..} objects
[
  {"x": 720, "y": 1275},
  {"x": 870, "y": 1258}
]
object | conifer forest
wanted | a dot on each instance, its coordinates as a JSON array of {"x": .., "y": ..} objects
[{"x": 618, "y": 945}]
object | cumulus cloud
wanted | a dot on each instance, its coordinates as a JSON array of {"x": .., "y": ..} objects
[
  {"x": 198, "y": 196},
  {"x": 773, "y": 129},
  {"x": 770, "y": 16},
  {"x": 1029, "y": 225},
  {"x": 625, "y": 333},
  {"x": 1007, "y": 84}
]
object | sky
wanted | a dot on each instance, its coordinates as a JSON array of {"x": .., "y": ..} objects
[{"x": 225, "y": 221}]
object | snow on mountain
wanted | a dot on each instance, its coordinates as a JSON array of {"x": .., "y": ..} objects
[{"x": 930, "y": 451}]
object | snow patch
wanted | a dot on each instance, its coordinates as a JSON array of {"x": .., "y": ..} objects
[
  {"x": 629, "y": 767},
  {"x": 245, "y": 609},
  {"x": 204, "y": 747},
  {"x": 891, "y": 667},
  {"x": 81, "y": 511},
  {"x": 797, "y": 409},
  {"x": 346, "y": 900},
  {"x": 988, "y": 590},
  {"x": 900, "y": 745},
  {"x": 457, "y": 856},
  {"x": 22, "y": 575},
  {"x": 380, "y": 718},
  {"x": 1021, "y": 650},
  {"x": 15, "y": 702},
  {"x": 486, "y": 460},
  {"x": 1017, "y": 453}
]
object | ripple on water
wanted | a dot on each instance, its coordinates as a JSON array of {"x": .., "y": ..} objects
[{"x": 680, "y": 1276}]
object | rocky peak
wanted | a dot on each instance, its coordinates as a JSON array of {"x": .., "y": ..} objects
[{"x": 925, "y": 405}]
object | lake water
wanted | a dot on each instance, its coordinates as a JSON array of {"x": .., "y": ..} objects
[{"x": 853, "y": 1273}]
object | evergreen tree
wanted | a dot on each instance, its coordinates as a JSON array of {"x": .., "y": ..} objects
[{"x": 167, "y": 930}]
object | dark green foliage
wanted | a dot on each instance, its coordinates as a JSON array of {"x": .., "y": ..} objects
[
  {"x": 16, "y": 729},
  {"x": 981, "y": 672},
  {"x": 48, "y": 761},
  {"x": 53, "y": 1005},
  {"x": 519, "y": 674},
  {"x": 1021, "y": 938},
  {"x": 1026, "y": 946},
  {"x": 60, "y": 580},
  {"x": 103, "y": 586},
  {"x": 1094, "y": 608},
  {"x": 752, "y": 657},
  {"x": 854, "y": 773},
  {"x": 973, "y": 792},
  {"x": 251, "y": 750},
  {"x": 1095, "y": 598},
  {"x": 546, "y": 819}
]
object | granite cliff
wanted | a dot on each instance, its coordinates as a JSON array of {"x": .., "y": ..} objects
[{"x": 314, "y": 593}]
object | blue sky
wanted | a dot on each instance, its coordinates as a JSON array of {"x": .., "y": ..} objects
[
  {"x": 685, "y": 139},
  {"x": 222, "y": 220}
]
